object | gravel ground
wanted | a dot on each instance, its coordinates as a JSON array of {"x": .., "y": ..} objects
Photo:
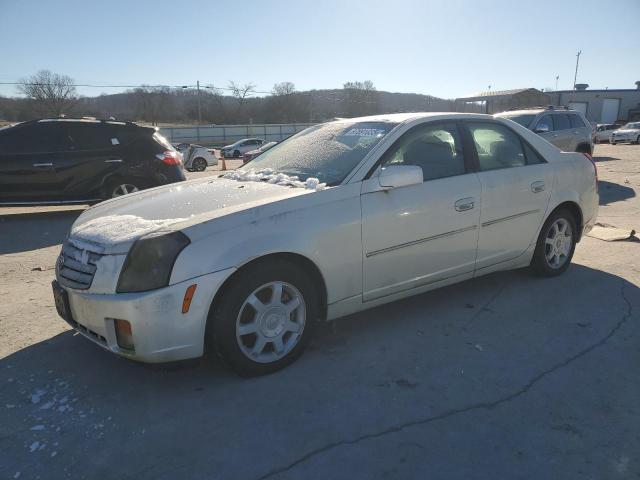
[{"x": 507, "y": 376}]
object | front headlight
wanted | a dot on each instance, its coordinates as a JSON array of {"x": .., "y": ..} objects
[{"x": 150, "y": 261}]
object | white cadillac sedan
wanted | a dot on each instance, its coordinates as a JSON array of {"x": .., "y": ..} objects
[{"x": 341, "y": 217}]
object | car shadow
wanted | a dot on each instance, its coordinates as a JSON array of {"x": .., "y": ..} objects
[
  {"x": 23, "y": 232},
  {"x": 604, "y": 159},
  {"x": 475, "y": 339},
  {"x": 614, "y": 192}
]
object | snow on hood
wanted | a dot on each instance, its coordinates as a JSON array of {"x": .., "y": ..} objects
[
  {"x": 118, "y": 228},
  {"x": 115, "y": 224},
  {"x": 270, "y": 176}
]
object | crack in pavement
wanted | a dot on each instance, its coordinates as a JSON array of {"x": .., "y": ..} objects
[{"x": 477, "y": 406}]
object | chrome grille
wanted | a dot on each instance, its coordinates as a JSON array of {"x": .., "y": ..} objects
[{"x": 76, "y": 267}]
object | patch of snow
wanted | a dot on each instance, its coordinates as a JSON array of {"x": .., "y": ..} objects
[
  {"x": 34, "y": 446},
  {"x": 10, "y": 405},
  {"x": 268, "y": 175},
  {"x": 17, "y": 475},
  {"x": 47, "y": 405},
  {"x": 117, "y": 228},
  {"x": 37, "y": 427},
  {"x": 35, "y": 397},
  {"x": 53, "y": 454}
]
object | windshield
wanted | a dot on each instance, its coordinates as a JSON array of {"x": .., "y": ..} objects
[
  {"x": 327, "y": 152},
  {"x": 632, "y": 126},
  {"x": 523, "y": 119}
]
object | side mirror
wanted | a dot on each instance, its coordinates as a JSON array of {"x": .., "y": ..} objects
[
  {"x": 396, "y": 176},
  {"x": 542, "y": 128}
]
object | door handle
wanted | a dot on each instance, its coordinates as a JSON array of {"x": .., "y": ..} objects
[
  {"x": 113, "y": 160},
  {"x": 537, "y": 187},
  {"x": 42, "y": 165},
  {"x": 464, "y": 204}
]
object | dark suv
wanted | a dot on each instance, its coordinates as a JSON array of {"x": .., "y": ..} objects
[{"x": 53, "y": 161}]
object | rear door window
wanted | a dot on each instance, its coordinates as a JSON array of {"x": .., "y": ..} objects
[
  {"x": 89, "y": 136},
  {"x": 497, "y": 146},
  {"x": 562, "y": 121},
  {"x": 576, "y": 121}
]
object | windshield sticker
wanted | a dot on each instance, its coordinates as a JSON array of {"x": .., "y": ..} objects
[{"x": 364, "y": 132}]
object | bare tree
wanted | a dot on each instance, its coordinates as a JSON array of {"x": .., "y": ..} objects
[
  {"x": 241, "y": 92},
  {"x": 362, "y": 98},
  {"x": 52, "y": 93},
  {"x": 366, "y": 85},
  {"x": 283, "y": 88}
]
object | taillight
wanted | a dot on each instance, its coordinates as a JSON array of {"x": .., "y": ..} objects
[
  {"x": 170, "y": 157},
  {"x": 595, "y": 168}
]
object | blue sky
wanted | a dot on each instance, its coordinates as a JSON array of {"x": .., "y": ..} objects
[{"x": 443, "y": 48}]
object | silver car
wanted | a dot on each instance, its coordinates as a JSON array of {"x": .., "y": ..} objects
[{"x": 567, "y": 129}]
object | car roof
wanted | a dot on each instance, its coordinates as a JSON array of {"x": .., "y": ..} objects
[
  {"x": 535, "y": 111},
  {"x": 407, "y": 117}
]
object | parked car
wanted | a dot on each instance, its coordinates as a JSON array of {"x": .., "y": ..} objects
[
  {"x": 378, "y": 209},
  {"x": 603, "y": 131},
  {"x": 198, "y": 158},
  {"x": 254, "y": 153},
  {"x": 567, "y": 129},
  {"x": 241, "y": 146},
  {"x": 52, "y": 161},
  {"x": 181, "y": 147},
  {"x": 627, "y": 133}
]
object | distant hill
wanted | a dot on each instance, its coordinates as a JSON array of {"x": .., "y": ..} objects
[{"x": 181, "y": 106}]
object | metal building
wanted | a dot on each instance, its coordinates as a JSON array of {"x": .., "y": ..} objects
[{"x": 602, "y": 106}]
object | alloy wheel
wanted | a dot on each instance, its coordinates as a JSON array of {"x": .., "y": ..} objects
[
  {"x": 558, "y": 243},
  {"x": 270, "y": 322},
  {"x": 124, "y": 189}
]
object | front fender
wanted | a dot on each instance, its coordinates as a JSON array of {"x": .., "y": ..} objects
[{"x": 327, "y": 233}]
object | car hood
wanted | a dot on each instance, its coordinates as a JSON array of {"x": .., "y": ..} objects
[{"x": 111, "y": 227}]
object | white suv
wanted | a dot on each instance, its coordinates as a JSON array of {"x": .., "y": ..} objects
[{"x": 235, "y": 150}]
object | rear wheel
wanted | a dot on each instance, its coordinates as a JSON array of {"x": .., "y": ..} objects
[
  {"x": 199, "y": 164},
  {"x": 265, "y": 318},
  {"x": 638, "y": 140},
  {"x": 120, "y": 187},
  {"x": 556, "y": 244},
  {"x": 236, "y": 153}
]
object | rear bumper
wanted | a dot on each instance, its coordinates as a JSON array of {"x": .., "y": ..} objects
[{"x": 161, "y": 332}]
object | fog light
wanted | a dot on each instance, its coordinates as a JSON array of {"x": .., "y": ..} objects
[{"x": 123, "y": 334}]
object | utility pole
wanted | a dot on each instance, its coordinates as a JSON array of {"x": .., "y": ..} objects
[
  {"x": 575, "y": 77},
  {"x": 557, "y": 77},
  {"x": 199, "y": 112}
]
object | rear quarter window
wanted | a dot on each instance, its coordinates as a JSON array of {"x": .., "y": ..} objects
[{"x": 89, "y": 136}]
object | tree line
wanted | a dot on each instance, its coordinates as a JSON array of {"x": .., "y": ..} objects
[{"x": 48, "y": 94}]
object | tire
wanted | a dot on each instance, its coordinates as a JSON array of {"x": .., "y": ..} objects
[
  {"x": 199, "y": 164},
  {"x": 552, "y": 257},
  {"x": 271, "y": 319},
  {"x": 236, "y": 153},
  {"x": 638, "y": 140},
  {"x": 118, "y": 187},
  {"x": 612, "y": 143},
  {"x": 583, "y": 148}
]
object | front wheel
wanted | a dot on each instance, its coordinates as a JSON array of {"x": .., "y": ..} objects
[
  {"x": 265, "y": 318},
  {"x": 556, "y": 244},
  {"x": 236, "y": 153}
]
